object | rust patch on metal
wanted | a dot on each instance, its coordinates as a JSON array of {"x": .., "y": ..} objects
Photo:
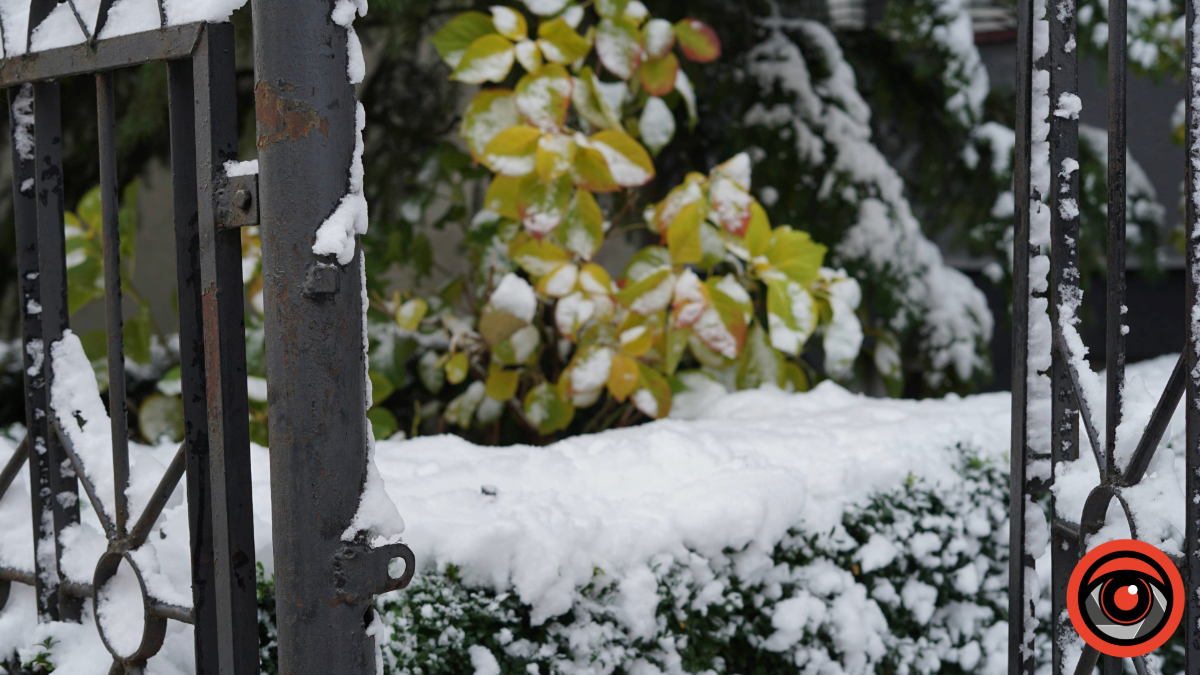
[{"x": 284, "y": 119}]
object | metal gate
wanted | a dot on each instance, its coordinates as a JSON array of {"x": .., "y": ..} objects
[
  {"x": 1046, "y": 415},
  {"x": 305, "y": 110}
]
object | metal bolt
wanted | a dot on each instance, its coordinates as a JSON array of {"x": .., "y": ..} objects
[{"x": 242, "y": 200}]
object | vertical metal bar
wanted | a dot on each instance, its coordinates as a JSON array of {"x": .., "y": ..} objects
[
  {"x": 1064, "y": 294},
  {"x": 305, "y": 109},
  {"x": 20, "y": 107},
  {"x": 1191, "y": 572},
  {"x": 191, "y": 359},
  {"x": 114, "y": 322},
  {"x": 1019, "y": 606},
  {"x": 48, "y": 182},
  {"x": 225, "y": 356},
  {"x": 1115, "y": 330}
]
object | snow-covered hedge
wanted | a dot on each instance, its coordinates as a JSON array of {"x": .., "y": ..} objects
[{"x": 912, "y": 580}]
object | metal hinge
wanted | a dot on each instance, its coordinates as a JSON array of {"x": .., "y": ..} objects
[{"x": 237, "y": 202}]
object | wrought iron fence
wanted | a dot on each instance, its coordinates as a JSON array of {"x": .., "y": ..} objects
[
  {"x": 1045, "y": 424},
  {"x": 318, "y": 466}
]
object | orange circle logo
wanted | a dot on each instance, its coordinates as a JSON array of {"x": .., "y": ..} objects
[{"x": 1125, "y": 598}]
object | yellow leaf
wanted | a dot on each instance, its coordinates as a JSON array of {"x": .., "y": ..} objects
[
  {"x": 544, "y": 97},
  {"x": 591, "y": 170},
  {"x": 622, "y": 377},
  {"x": 560, "y": 43},
  {"x": 628, "y": 162},
  {"x": 758, "y": 232},
  {"x": 488, "y": 59},
  {"x": 637, "y": 340},
  {"x": 583, "y": 227},
  {"x": 538, "y": 258},
  {"x": 410, "y": 314},
  {"x": 509, "y": 23},
  {"x": 502, "y": 383},
  {"x": 555, "y": 156},
  {"x": 456, "y": 368},
  {"x": 512, "y": 152},
  {"x": 489, "y": 113},
  {"x": 501, "y": 196},
  {"x": 683, "y": 236}
]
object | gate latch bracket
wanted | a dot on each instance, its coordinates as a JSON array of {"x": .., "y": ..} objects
[
  {"x": 237, "y": 202},
  {"x": 361, "y": 572}
]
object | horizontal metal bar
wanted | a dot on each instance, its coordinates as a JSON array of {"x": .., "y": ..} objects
[
  {"x": 1066, "y": 529},
  {"x": 163, "y": 44},
  {"x": 167, "y": 611},
  {"x": 1157, "y": 425},
  {"x": 75, "y": 588},
  {"x": 14, "y": 465},
  {"x": 20, "y": 576}
]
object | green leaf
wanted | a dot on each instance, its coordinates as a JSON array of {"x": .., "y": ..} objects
[
  {"x": 591, "y": 170},
  {"x": 677, "y": 341},
  {"x": 383, "y": 423},
  {"x": 489, "y": 113},
  {"x": 795, "y": 254},
  {"x": 888, "y": 363},
  {"x": 497, "y": 325},
  {"x": 683, "y": 236},
  {"x": 653, "y": 396},
  {"x": 547, "y": 409},
  {"x": 127, "y": 220},
  {"x": 519, "y": 348},
  {"x": 459, "y": 33},
  {"x": 658, "y": 75},
  {"x": 429, "y": 371},
  {"x": 95, "y": 344},
  {"x": 488, "y": 59},
  {"x": 461, "y": 409},
  {"x": 170, "y": 384},
  {"x": 537, "y": 257},
  {"x": 161, "y": 417},
  {"x": 542, "y": 206},
  {"x": 381, "y": 387},
  {"x": 137, "y": 332},
  {"x": 646, "y": 262},
  {"x": 560, "y": 43},
  {"x": 544, "y": 97},
  {"x": 758, "y": 363},
  {"x": 582, "y": 230},
  {"x": 501, "y": 196},
  {"x": 618, "y": 46},
  {"x": 89, "y": 209},
  {"x": 698, "y": 40}
]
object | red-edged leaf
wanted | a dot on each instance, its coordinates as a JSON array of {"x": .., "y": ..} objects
[
  {"x": 658, "y": 75},
  {"x": 698, "y": 40}
]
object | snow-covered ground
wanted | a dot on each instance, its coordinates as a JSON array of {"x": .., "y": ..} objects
[{"x": 540, "y": 520}]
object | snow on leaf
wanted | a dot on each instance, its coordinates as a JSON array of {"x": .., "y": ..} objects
[
  {"x": 736, "y": 168},
  {"x": 691, "y": 300},
  {"x": 545, "y": 7},
  {"x": 488, "y": 59},
  {"x": 542, "y": 206},
  {"x": 560, "y": 43},
  {"x": 680, "y": 196},
  {"x": 509, "y": 23},
  {"x": 594, "y": 280},
  {"x": 543, "y": 97},
  {"x": 698, "y": 40},
  {"x": 730, "y": 205},
  {"x": 547, "y": 409},
  {"x": 515, "y": 296},
  {"x": 529, "y": 55},
  {"x": 658, "y": 75},
  {"x": 611, "y": 8},
  {"x": 590, "y": 368},
  {"x": 582, "y": 230},
  {"x": 560, "y": 282},
  {"x": 650, "y": 295},
  {"x": 519, "y": 347},
  {"x": 461, "y": 409},
  {"x": 684, "y": 86},
  {"x": 844, "y": 334},
  {"x": 409, "y": 315},
  {"x": 658, "y": 36},
  {"x": 452, "y": 41},
  {"x": 591, "y": 105},
  {"x": 618, "y": 46},
  {"x": 791, "y": 316},
  {"x": 591, "y": 170},
  {"x": 646, "y": 262},
  {"x": 489, "y": 113},
  {"x": 555, "y": 156},
  {"x": 627, "y": 160},
  {"x": 512, "y": 152},
  {"x": 572, "y": 312},
  {"x": 653, "y": 397},
  {"x": 538, "y": 258}
]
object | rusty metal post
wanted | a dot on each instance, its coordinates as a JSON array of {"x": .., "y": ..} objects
[{"x": 316, "y": 369}]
